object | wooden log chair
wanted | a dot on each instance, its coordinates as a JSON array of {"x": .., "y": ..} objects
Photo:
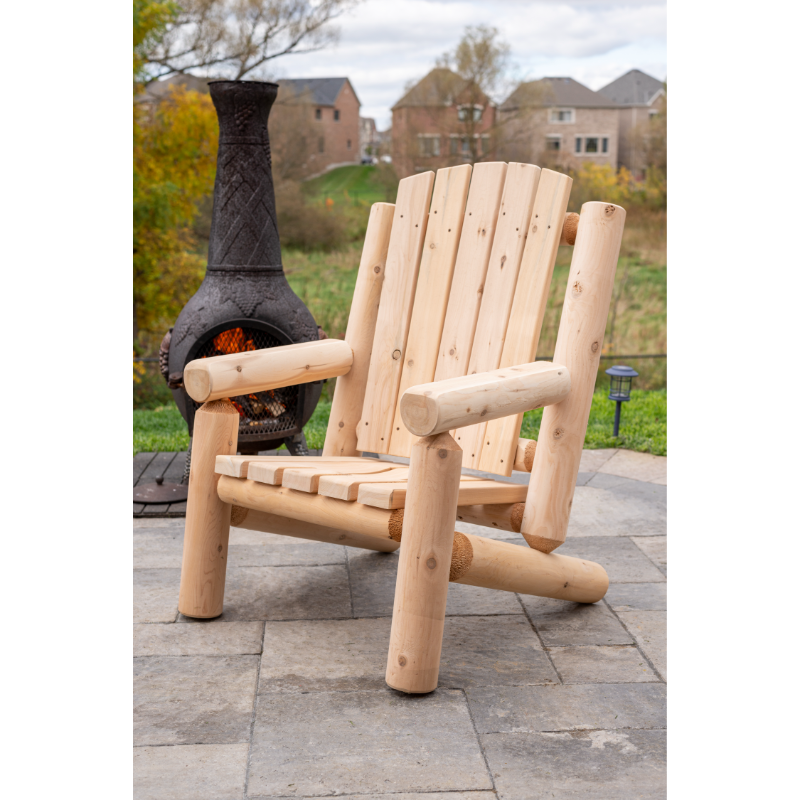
[{"x": 437, "y": 365}]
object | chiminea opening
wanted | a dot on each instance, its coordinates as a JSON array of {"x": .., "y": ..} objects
[{"x": 264, "y": 417}]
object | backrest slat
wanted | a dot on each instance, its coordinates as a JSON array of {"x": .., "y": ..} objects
[
  {"x": 341, "y": 438},
  {"x": 394, "y": 314},
  {"x": 527, "y": 313},
  {"x": 469, "y": 274},
  {"x": 515, "y": 212},
  {"x": 442, "y": 238}
]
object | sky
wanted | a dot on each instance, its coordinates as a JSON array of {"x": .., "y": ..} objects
[{"x": 384, "y": 44}]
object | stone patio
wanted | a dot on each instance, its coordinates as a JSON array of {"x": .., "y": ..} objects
[{"x": 284, "y": 696}]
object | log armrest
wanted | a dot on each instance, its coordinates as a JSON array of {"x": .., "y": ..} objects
[
  {"x": 445, "y": 405},
  {"x": 258, "y": 370}
]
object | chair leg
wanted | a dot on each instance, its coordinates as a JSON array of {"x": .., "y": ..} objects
[
  {"x": 205, "y": 542},
  {"x": 423, "y": 574}
]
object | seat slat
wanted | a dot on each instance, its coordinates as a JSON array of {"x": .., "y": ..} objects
[
  {"x": 272, "y": 473},
  {"x": 394, "y": 314},
  {"x": 470, "y": 491},
  {"x": 307, "y": 480},
  {"x": 345, "y": 487},
  {"x": 433, "y": 288},
  {"x": 514, "y": 217},
  {"x": 527, "y": 313},
  {"x": 237, "y": 466},
  {"x": 469, "y": 273}
]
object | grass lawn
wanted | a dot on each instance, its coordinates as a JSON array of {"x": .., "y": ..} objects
[
  {"x": 356, "y": 183},
  {"x": 643, "y": 427}
]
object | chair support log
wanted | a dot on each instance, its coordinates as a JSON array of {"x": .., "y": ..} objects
[
  {"x": 420, "y": 598},
  {"x": 578, "y": 347},
  {"x": 205, "y": 542}
]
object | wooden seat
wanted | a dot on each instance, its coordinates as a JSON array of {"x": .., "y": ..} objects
[{"x": 437, "y": 367}]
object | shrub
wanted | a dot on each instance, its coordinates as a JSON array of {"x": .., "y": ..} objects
[{"x": 308, "y": 226}]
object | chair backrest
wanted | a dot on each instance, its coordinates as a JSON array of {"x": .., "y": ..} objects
[{"x": 454, "y": 280}]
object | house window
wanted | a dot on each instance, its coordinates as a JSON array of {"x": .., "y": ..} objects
[
  {"x": 348, "y": 144},
  {"x": 485, "y": 145},
  {"x": 321, "y": 144},
  {"x": 562, "y": 115},
  {"x": 465, "y": 113},
  {"x": 335, "y": 114},
  {"x": 553, "y": 143},
  {"x": 592, "y": 144},
  {"x": 577, "y": 144},
  {"x": 318, "y": 114},
  {"x": 428, "y": 145},
  {"x": 605, "y": 144},
  {"x": 465, "y": 148},
  {"x": 454, "y": 145}
]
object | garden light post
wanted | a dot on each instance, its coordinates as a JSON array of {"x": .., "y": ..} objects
[{"x": 621, "y": 378}]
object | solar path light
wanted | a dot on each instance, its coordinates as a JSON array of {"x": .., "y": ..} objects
[{"x": 621, "y": 378}]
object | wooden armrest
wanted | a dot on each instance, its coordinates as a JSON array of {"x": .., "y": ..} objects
[
  {"x": 258, "y": 370},
  {"x": 445, "y": 405}
]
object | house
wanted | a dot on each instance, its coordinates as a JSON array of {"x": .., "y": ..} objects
[
  {"x": 441, "y": 121},
  {"x": 329, "y": 123},
  {"x": 560, "y": 122},
  {"x": 640, "y": 97}
]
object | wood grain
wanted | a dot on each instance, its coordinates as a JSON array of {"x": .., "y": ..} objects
[
  {"x": 469, "y": 274},
  {"x": 423, "y": 570},
  {"x": 394, "y": 314},
  {"x": 516, "y": 207},
  {"x": 205, "y": 541},
  {"x": 341, "y": 438},
  {"x": 499, "y": 439},
  {"x": 237, "y": 466},
  {"x": 433, "y": 289},
  {"x": 394, "y": 495},
  {"x": 458, "y": 402},
  {"x": 578, "y": 347}
]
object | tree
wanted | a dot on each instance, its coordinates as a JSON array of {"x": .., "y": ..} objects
[
  {"x": 174, "y": 164},
  {"x": 234, "y": 38}
]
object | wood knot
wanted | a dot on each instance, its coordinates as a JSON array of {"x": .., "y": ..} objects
[
  {"x": 558, "y": 433},
  {"x": 431, "y": 563},
  {"x": 483, "y": 413},
  {"x": 452, "y": 351},
  {"x": 411, "y": 362},
  {"x": 595, "y": 348},
  {"x": 433, "y": 246},
  {"x": 443, "y": 453},
  {"x": 396, "y": 355},
  {"x": 577, "y": 288},
  {"x": 341, "y": 424},
  {"x": 239, "y": 368},
  {"x": 219, "y": 548},
  {"x": 610, "y": 210},
  {"x": 401, "y": 660},
  {"x": 534, "y": 229},
  {"x": 377, "y": 270}
]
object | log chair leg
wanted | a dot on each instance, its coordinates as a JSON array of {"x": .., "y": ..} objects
[
  {"x": 423, "y": 573},
  {"x": 205, "y": 542}
]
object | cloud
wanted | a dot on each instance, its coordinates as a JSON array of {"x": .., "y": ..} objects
[{"x": 386, "y": 43}]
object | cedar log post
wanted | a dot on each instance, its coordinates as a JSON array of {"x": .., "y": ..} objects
[
  {"x": 423, "y": 573},
  {"x": 578, "y": 348},
  {"x": 205, "y": 542}
]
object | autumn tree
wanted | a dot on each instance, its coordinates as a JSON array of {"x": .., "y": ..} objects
[
  {"x": 174, "y": 164},
  {"x": 235, "y": 38}
]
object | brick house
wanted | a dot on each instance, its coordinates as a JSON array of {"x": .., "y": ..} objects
[
  {"x": 558, "y": 122},
  {"x": 640, "y": 97},
  {"x": 329, "y": 123},
  {"x": 441, "y": 121}
]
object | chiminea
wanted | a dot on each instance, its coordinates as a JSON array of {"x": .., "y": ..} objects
[{"x": 245, "y": 302}]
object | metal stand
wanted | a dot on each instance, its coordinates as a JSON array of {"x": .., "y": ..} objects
[
  {"x": 616, "y": 418},
  {"x": 296, "y": 445}
]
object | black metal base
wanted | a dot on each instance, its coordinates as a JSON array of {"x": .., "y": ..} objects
[{"x": 160, "y": 492}]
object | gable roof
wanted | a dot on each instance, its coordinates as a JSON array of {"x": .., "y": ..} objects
[
  {"x": 439, "y": 87},
  {"x": 634, "y": 88},
  {"x": 556, "y": 92},
  {"x": 322, "y": 91}
]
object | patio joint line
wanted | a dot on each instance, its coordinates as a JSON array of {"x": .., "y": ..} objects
[
  {"x": 539, "y": 637},
  {"x": 635, "y": 642},
  {"x": 255, "y": 708},
  {"x": 478, "y": 740}
]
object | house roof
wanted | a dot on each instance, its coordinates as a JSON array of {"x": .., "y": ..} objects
[
  {"x": 323, "y": 91},
  {"x": 438, "y": 88},
  {"x": 556, "y": 92},
  {"x": 634, "y": 88},
  {"x": 156, "y": 90}
]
